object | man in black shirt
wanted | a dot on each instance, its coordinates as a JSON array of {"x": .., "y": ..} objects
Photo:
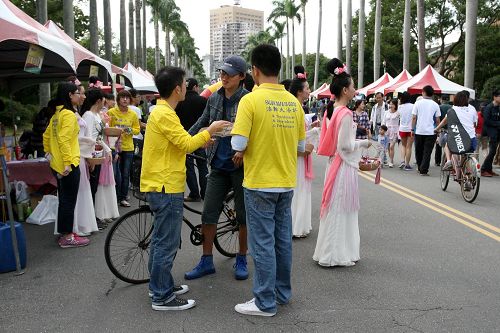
[
  {"x": 491, "y": 125},
  {"x": 189, "y": 111}
]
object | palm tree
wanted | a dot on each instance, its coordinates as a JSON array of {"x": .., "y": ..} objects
[
  {"x": 279, "y": 33},
  {"x": 44, "y": 88},
  {"x": 131, "y": 46},
  {"x": 261, "y": 37},
  {"x": 470, "y": 42},
  {"x": 361, "y": 43},
  {"x": 406, "y": 35},
  {"x": 318, "y": 43},
  {"x": 278, "y": 13},
  {"x": 339, "y": 29},
  {"x": 108, "y": 47},
  {"x": 180, "y": 30},
  {"x": 303, "y": 4},
  {"x": 138, "y": 6},
  {"x": 169, "y": 17},
  {"x": 144, "y": 46},
  {"x": 376, "y": 44},
  {"x": 93, "y": 28},
  {"x": 421, "y": 33},
  {"x": 68, "y": 18},
  {"x": 348, "y": 36},
  {"x": 293, "y": 14},
  {"x": 123, "y": 34},
  {"x": 155, "y": 10}
]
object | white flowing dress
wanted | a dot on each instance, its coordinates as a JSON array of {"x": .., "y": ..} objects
[
  {"x": 338, "y": 235},
  {"x": 84, "y": 222},
  {"x": 301, "y": 202}
]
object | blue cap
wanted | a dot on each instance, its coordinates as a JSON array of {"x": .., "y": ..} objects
[{"x": 233, "y": 65}]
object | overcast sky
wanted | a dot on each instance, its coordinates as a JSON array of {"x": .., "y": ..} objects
[{"x": 196, "y": 14}]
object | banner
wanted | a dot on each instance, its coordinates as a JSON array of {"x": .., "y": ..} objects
[
  {"x": 34, "y": 60},
  {"x": 94, "y": 71}
]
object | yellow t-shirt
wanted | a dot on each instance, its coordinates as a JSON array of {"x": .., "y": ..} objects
[
  {"x": 125, "y": 120},
  {"x": 60, "y": 139},
  {"x": 165, "y": 146},
  {"x": 273, "y": 121}
]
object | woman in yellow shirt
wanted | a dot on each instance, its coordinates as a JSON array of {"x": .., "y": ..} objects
[
  {"x": 60, "y": 141},
  {"x": 125, "y": 118}
]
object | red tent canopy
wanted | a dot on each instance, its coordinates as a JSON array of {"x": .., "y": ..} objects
[{"x": 372, "y": 87}]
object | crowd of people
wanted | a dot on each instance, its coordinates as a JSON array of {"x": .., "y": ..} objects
[{"x": 230, "y": 130}]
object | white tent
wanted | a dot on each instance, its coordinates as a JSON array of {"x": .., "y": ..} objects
[
  {"x": 371, "y": 88},
  {"x": 140, "y": 81}
]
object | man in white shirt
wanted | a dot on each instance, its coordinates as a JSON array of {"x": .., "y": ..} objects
[
  {"x": 426, "y": 114},
  {"x": 377, "y": 114}
]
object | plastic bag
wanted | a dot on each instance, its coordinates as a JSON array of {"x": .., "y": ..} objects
[
  {"x": 21, "y": 193},
  {"x": 45, "y": 212}
]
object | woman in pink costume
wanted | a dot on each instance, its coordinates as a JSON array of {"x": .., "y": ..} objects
[{"x": 338, "y": 236}]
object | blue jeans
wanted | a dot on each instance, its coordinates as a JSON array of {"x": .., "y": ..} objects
[
  {"x": 192, "y": 182},
  {"x": 165, "y": 240},
  {"x": 269, "y": 223},
  {"x": 122, "y": 185}
]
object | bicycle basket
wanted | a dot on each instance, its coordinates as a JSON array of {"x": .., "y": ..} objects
[{"x": 136, "y": 178}]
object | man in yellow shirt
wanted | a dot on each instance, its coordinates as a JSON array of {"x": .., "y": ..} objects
[
  {"x": 163, "y": 179},
  {"x": 124, "y": 117},
  {"x": 268, "y": 132}
]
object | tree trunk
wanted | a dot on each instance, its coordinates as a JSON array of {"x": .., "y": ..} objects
[
  {"x": 131, "y": 39},
  {"x": 348, "y": 36},
  {"x": 176, "y": 56},
  {"x": 68, "y": 18},
  {"x": 157, "y": 42},
  {"x": 406, "y": 35},
  {"x": 44, "y": 88},
  {"x": 470, "y": 42},
  {"x": 138, "y": 35},
  {"x": 281, "y": 58},
  {"x": 421, "y": 34},
  {"x": 318, "y": 44},
  {"x": 287, "y": 50},
  {"x": 293, "y": 46},
  {"x": 93, "y": 29},
  {"x": 304, "y": 35},
  {"x": 339, "y": 29},
  {"x": 144, "y": 46},
  {"x": 376, "y": 44},
  {"x": 361, "y": 43},
  {"x": 108, "y": 47},
  {"x": 123, "y": 33},
  {"x": 167, "y": 46}
]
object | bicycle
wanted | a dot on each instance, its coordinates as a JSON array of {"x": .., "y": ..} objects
[
  {"x": 126, "y": 248},
  {"x": 467, "y": 173}
]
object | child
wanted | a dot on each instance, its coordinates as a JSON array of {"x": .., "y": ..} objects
[{"x": 383, "y": 141}]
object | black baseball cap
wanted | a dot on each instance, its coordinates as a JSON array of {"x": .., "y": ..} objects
[{"x": 233, "y": 65}]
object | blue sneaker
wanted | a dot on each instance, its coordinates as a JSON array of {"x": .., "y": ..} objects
[
  {"x": 204, "y": 267},
  {"x": 240, "y": 267}
]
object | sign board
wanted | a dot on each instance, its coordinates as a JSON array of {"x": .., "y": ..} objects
[
  {"x": 94, "y": 71},
  {"x": 34, "y": 60}
]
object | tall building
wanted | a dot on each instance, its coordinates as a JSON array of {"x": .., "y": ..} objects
[{"x": 230, "y": 27}]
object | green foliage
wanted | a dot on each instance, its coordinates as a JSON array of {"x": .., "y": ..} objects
[
  {"x": 262, "y": 37},
  {"x": 323, "y": 75},
  {"x": 489, "y": 86},
  {"x": 23, "y": 114}
]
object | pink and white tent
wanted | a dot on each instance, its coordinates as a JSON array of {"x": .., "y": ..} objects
[
  {"x": 398, "y": 80},
  {"x": 83, "y": 57},
  {"x": 17, "y": 31},
  {"x": 372, "y": 87},
  {"x": 320, "y": 89},
  {"x": 140, "y": 81},
  {"x": 429, "y": 76}
]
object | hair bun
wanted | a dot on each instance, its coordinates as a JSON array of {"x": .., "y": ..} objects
[
  {"x": 333, "y": 64},
  {"x": 299, "y": 69}
]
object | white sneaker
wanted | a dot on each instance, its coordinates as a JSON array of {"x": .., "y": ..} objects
[
  {"x": 391, "y": 165},
  {"x": 249, "y": 308}
]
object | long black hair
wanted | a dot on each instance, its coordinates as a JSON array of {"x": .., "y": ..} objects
[
  {"x": 62, "y": 95},
  {"x": 93, "y": 96}
]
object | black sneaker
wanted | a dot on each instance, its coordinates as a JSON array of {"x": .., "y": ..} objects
[
  {"x": 176, "y": 304},
  {"x": 101, "y": 225},
  {"x": 178, "y": 290}
]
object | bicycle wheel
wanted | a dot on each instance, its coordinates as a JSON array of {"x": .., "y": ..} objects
[
  {"x": 469, "y": 185},
  {"x": 127, "y": 246},
  {"x": 227, "y": 237},
  {"x": 445, "y": 175}
]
